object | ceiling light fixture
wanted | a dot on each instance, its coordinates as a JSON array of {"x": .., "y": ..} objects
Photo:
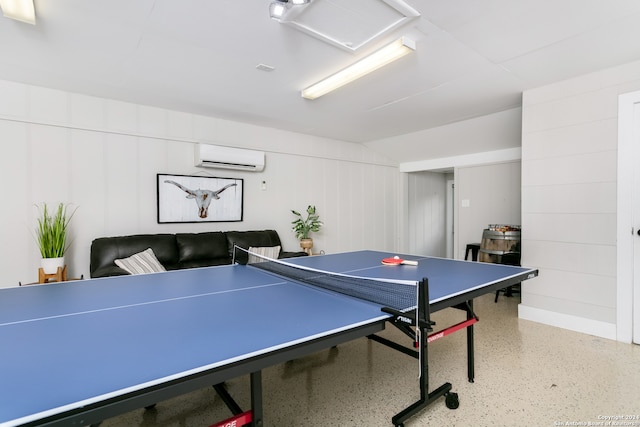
[
  {"x": 20, "y": 10},
  {"x": 277, "y": 9},
  {"x": 379, "y": 58}
]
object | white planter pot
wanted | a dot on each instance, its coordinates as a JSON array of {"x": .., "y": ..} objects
[{"x": 50, "y": 265}]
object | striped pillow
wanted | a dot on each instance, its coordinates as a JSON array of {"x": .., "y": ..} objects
[
  {"x": 271, "y": 252},
  {"x": 141, "y": 263}
]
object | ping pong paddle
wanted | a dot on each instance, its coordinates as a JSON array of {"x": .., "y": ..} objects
[{"x": 396, "y": 260}]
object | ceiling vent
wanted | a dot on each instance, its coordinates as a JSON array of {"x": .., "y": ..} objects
[
  {"x": 350, "y": 24},
  {"x": 214, "y": 156}
]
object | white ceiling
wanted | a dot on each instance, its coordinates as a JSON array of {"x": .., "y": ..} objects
[{"x": 473, "y": 58}]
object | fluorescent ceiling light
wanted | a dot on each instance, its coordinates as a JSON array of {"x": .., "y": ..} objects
[
  {"x": 20, "y": 10},
  {"x": 378, "y": 59}
]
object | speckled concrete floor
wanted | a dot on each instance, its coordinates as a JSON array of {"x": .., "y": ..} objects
[{"x": 527, "y": 374}]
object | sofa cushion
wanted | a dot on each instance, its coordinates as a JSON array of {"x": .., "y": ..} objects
[
  {"x": 105, "y": 250},
  {"x": 201, "y": 246},
  {"x": 141, "y": 263},
  {"x": 271, "y": 252},
  {"x": 246, "y": 239},
  {"x": 163, "y": 246}
]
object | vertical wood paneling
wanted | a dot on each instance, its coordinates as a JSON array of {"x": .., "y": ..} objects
[
  {"x": 16, "y": 208},
  {"x": 152, "y": 156},
  {"x": 356, "y": 206},
  {"x": 395, "y": 212},
  {"x": 122, "y": 185},
  {"x": 344, "y": 228},
  {"x": 49, "y": 157},
  {"x": 329, "y": 209},
  {"x": 87, "y": 195},
  {"x": 121, "y": 117},
  {"x": 152, "y": 121},
  {"x": 14, "y": 100},
  {"x": 103, "y": 156},
  {"x": 47, "y": 106},
  {"x": 87, "y": 112}
]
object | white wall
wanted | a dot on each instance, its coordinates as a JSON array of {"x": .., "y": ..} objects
[
  {"x": 427, "y": 210},
  {"x": 494, "y": 132},
  {"x": 490, "y": 180},
  {"x": 485, "y": 194},
  {"x": 569, "y": 168},
  {"x": 103, "y": 156}
]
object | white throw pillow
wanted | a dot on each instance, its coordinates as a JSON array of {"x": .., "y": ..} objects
[
  {"x": 141, "y": 263},
  {"x": 270, "y": 252}
]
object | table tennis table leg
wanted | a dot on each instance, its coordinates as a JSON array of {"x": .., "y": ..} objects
[
  {"x": 256, "y": 398},
  {"x": 423, "y": 327},
  {"x": 252, "y": 417},
  {"x": 470, "y": 342}
]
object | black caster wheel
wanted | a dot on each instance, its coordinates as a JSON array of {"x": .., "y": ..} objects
[{"x": 451, "y": 400}]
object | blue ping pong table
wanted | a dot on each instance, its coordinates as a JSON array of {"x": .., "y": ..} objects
[{"x": 76, "y": 353}]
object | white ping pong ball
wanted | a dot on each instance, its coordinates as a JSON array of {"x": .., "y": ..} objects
[{"x": 396, "y": 257}]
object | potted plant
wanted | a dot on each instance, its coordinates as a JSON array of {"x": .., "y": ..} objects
[
  {"x": 302, "y": 227},
  {"x": 51, "y": 235}
]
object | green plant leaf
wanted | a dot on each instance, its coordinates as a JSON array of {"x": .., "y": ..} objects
[
  {"x": 303, "y": 226},
  {"x": 51, "y": 232}
]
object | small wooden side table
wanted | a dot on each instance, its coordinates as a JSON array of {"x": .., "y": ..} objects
[{"x": 58, "y": 276}]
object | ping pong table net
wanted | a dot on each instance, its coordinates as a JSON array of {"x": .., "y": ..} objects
[{"x": 401, "y": 295}]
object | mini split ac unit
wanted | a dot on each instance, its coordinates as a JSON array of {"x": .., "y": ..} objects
[{"x": 214, "y": 156}]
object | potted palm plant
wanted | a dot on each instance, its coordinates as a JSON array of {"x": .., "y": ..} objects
[
  {"x": 51, "y": 235},
  {"x": 302, "y": 227}
]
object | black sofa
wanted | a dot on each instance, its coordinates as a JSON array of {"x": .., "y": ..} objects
[{"x": 182, "y": 250}]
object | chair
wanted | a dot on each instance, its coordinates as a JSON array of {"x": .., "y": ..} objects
[
  {"x": 474, "y": 248},
  {"x": 510, "y": 258}
]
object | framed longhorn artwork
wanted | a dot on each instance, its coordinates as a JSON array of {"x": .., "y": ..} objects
[{"x": 187, "y": 198}]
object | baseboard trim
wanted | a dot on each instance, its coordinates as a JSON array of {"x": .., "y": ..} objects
[{"x": 566, "y": 321}]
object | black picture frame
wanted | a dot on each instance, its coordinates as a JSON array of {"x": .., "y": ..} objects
[{"x": 189, "y": 198}]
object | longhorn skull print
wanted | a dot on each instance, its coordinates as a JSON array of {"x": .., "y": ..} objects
[{"x": 203, "y": 197}]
